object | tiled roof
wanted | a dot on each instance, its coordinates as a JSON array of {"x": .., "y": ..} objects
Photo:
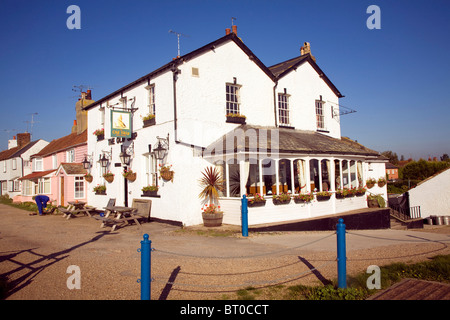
[
  {"x": 282, "y": 67},
  {"x": 73, "y": 168},
  {"x": 36, "y": 175},
  {"x": 246, "y": 138},
  {"x": 63, "y": 143}
]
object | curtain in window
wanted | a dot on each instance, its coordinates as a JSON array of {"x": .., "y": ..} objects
[{"x": 301, "y": 176}]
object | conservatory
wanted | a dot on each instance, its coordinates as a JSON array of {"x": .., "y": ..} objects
[{"x": 291, "y": 174}]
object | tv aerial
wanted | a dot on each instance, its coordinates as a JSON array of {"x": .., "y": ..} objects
[{"x": 178, "y": 38}]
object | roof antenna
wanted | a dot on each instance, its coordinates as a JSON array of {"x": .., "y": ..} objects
[
  {"x": 232, "y": 19},
  {"x": 32, "y": 122},
  {"x": 178, "y": 39}
]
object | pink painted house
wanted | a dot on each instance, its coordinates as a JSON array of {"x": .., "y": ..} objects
[{"x": 57, "y": 170}]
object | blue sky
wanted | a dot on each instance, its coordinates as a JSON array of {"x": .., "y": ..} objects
[{"x": 396, "y": 77}]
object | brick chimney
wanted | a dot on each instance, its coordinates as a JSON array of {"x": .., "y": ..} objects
[
  {"x": 234, "y": 28},
  {"x": 305, "y": 49},
  {"x": 23, "y": 139}
]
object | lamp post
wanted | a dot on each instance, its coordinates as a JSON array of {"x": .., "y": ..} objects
[{"x": 125, "y": 159}]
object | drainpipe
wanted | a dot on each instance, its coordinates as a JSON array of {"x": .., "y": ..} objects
[
  {"x": 275, "y": 103},
  {"x": 175, "y": 72}
]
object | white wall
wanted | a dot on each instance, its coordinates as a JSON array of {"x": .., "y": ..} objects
[
  {"x": 432, "y": 195},
  {"x": 305, "y": 87}
]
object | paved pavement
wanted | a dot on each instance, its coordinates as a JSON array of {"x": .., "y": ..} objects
[{"x": 35, "y": 253}]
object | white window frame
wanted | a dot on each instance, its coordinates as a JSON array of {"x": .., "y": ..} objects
[
  {"x": 320, "y": 115},
  {"x": 54, "y": 161},
  {"x": 232, "y": 98},
  {"x": 27, "y": 189},
  {"x": 283, "y": 109},
  {"x": 5, "y": 166},
  {"x": 151, "y": 169},
  {"x": 78, "y": 183},
  {"x": 70, "y": 156},
  {"x": 14, "y": 163},
  {"x": 38, "y": 164},
  {"x": 151, "y": 97},
  {"x": 44, "y": 186}
]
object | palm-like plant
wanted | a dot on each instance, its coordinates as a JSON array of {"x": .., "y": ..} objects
[{"x": 212, "y": 183}]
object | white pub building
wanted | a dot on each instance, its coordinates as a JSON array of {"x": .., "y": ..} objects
[{"x": 284, "y": 137}]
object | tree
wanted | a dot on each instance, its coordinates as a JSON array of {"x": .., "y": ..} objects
[
  {"x": 445, "y": 157},
  {"x": 392, "y": 156}
]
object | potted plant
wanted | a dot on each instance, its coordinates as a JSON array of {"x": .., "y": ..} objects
[
  {"x": 149, "y": 120},
  {"x": 323, "y": 195},
  {"x": 256, "y": 201},
  {"x": 109, "y": 176},
  {"x": 370, "y": 183},
  {"x": 129, "y": 175},
  {"x": 212, "y": 183},
  {"x": 88, "y": 177},
  {"x": 375, "y": 201},
  {"x": 150, "y": 191},
  {"x": 381, "y": 182},
  {"x": 100, "y": 133},
  {"x": 303, "y": 197},
  {"x": 283, "y": 198},
  {"x": 100, "y": 189},
  {"x": 166, "y": 173},
  {"x": 236, "y": 118}
]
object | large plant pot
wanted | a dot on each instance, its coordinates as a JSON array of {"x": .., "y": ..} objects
[
  {"x": 256, "y": 204},
  {"x": 212, "y": 219}
]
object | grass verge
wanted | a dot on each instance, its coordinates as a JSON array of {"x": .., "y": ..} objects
[{"x": 435, "y": 269}]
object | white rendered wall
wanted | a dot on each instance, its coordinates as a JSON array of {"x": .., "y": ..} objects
[{"x": 432, "y": 195}]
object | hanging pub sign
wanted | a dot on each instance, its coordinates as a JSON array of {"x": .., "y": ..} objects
[{"x": 120, "y": 124}]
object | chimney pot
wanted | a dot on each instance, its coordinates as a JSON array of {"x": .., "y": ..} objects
[
  {"x": 234, "y": 29},
  {"x": 227, "y": 31}
]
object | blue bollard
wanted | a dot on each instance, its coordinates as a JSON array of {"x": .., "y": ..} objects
[
  {"x": 244, "y": 216},
  {"x": 341, "y": 255},
  {"x": 145, "y": 268}
]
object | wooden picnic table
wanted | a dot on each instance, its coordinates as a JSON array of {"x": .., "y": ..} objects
[
  {"x": 76, "y": 207},
  {"x": 117, "y": 215}
]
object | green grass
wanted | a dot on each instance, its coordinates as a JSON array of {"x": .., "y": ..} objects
[{"x": 435, "y": 269}]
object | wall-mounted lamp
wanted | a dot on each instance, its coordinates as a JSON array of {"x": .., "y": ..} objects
[
  {"x": 86, "y": 163},
  {"x": 103, "y": 161},
  {"x": 125, "y": 158},
  {"x": 161, "y": 148}
]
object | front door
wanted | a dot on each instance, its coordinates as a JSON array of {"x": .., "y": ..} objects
[{"x": 61, "y": 188}]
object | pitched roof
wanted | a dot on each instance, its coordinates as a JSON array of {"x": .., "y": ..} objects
[
  {"x": 179, "y": 60},
  {"x": 283, "y": 68},
  {"x": 248, "y": 138},
  {"x": 37, "y": 174},
  {"x": 72, "y": 168},
  {"x": 274, "y": 72},
  {"x": 64, "y": 143},
  {"x": 16, "y": 151}
]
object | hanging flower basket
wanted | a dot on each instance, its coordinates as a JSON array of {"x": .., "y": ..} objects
[
  {"x": 370, "y": 183},
  {"x": 109, "y": 177},
  {"x": 381, "y": 182},
  {"x": 166, "y": 173},
  {"x": 129, "y": 175},
  {"x": 88, "y": 177}
]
